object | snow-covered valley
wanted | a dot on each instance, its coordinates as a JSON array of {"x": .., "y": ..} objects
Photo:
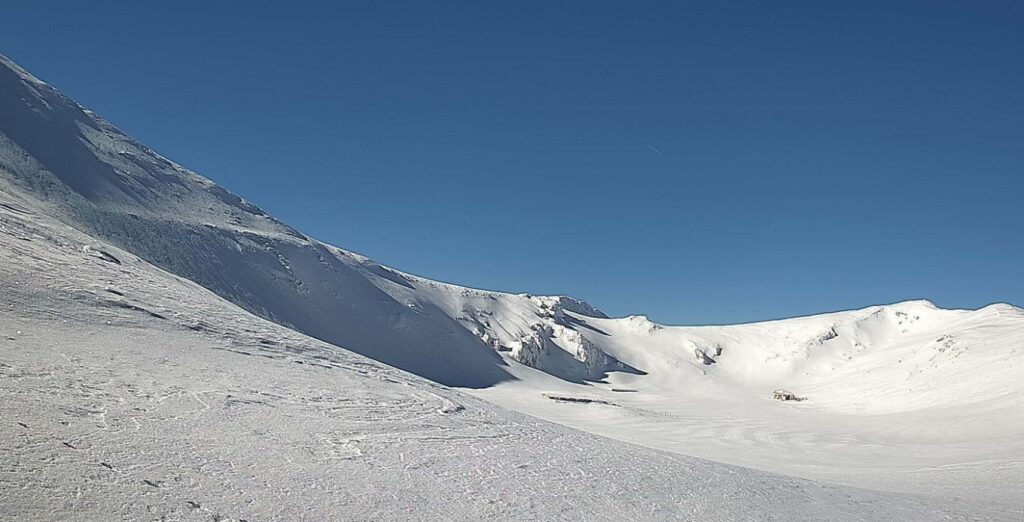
[
  {"x": 170, "y": 350},
  {"x": 906, "y": 397},
  {"x": 934, "y": 411}
]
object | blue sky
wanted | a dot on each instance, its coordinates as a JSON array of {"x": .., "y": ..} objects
[{"x": 698, "y": 162}]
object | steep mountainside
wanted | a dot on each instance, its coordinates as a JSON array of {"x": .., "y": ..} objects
[
  {"x": 127, "y": 393},
  {"x": 906, "y": 397},
  {"x": 101, "y": 181}
]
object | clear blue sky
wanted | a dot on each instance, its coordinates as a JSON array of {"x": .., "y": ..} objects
[{"x": 694, "y": 161}]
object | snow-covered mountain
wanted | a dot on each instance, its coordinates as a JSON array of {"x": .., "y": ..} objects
[
  {"x": 103, "y": 182},
  {"x": 127, "y": 393},
  {"x": 106, "y": 239}
]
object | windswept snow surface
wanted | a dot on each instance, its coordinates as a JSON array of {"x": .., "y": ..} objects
[
  {"x": 129, "y": 393},
  {"x": 160, "y": 359},
  {"x": 98, "y": 179},
  {"x": 905, "y": 397}
]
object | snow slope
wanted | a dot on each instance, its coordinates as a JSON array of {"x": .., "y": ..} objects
[
  {"x": 129, "y": 393},
  {"x": 905, "y": 397},
  {"x": 103, "y": 182}
]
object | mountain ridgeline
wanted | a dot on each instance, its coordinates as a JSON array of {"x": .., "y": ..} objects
[
  {"x": 103, "y": 182},
  {"x": 97, "y": 179}
]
